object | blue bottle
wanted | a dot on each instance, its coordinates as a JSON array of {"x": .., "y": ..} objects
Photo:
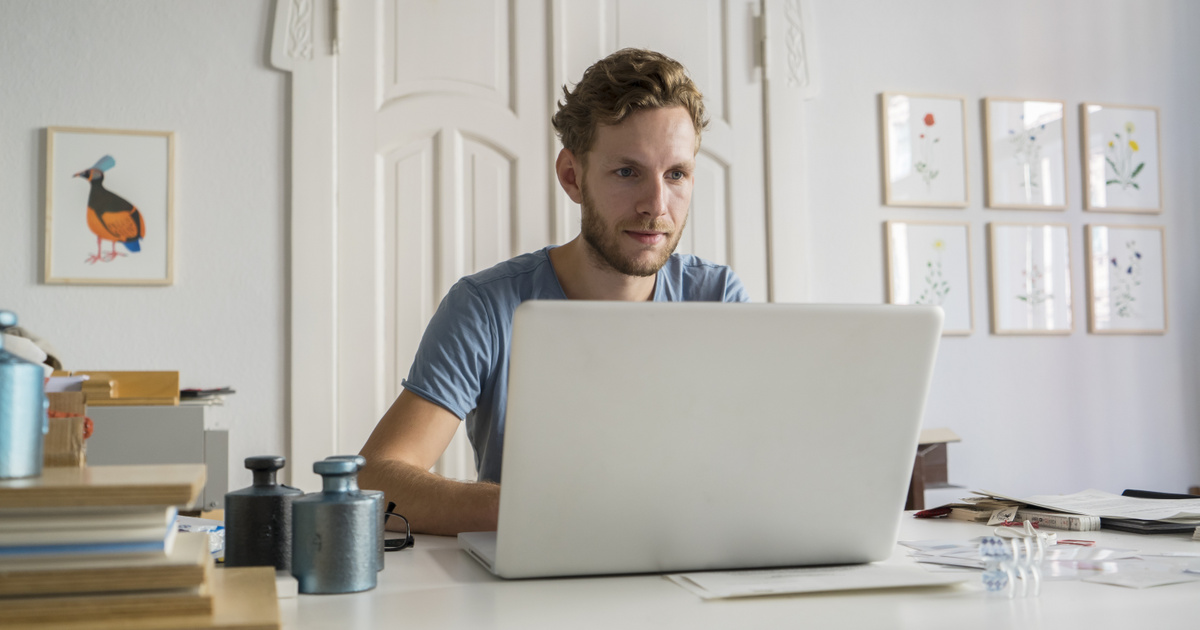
[
  {"x": 332, "y": 546},
  {"x": 23, "y": 406}
]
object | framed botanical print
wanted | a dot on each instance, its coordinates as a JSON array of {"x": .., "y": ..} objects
[
  {"x": 1026, "y": 154},
  {"x": 1127, "y": 281},
  {"x": 1122, "y": 161},
  {"x": 924, "y": 150},
  {"x": 930, "y": 263},
  {"x": 1031, "y": 279}
]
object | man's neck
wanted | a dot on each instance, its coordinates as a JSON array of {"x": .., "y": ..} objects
[{"x": 584, "y": 277}]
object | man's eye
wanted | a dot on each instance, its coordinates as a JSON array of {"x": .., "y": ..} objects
[
  {"x": 675, "y": 174},
  {"x": 625, "y": 172}
]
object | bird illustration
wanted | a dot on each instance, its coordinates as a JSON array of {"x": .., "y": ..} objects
[{"x": 109, "y": 216}]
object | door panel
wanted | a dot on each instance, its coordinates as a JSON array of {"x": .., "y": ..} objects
[
  {"x": 447, "y": 47},
  {"x": 442, "y": 137},
  {"x": 715, "y": 40}
]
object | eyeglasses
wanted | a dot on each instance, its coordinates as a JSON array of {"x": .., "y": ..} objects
[{"x": 396, "y": 544}]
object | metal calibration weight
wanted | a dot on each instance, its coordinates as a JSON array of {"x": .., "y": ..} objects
[
  {"x": 380, "y": 508},
  {"x": 258, "y": 519},
  {"x": 333, "y": 550}
]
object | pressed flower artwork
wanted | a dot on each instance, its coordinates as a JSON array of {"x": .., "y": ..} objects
[
  {"x": 1026, "y": 149},
  {"x": 930, "y": 263},
  {"x": 1126, "y": 279},
  {"x": 925, "y": 159},
  {"x": 1031, "y": 279},
  {"x": 1121, "y": 158}
]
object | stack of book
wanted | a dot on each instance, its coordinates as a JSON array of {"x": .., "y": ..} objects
[{"x": 98, "y": 547}]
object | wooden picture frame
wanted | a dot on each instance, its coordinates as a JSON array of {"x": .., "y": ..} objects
[
  {"x": 924, "y": 139},
  {"x": 1030, "y": 273},
  {"x": 109, "y": 206},
  {"x": 1127, "y": 279},
  {"x": 1026, "y": 147},
  {"x": 1122, "y": 158},
  {"x": 930, "y": 263}
]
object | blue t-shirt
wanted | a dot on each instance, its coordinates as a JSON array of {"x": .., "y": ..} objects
[{"x": 462, "y": 362}]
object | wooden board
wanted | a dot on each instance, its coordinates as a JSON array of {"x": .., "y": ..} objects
[
  {"x": 243, "y": 599},
  {"x": 937, "y": 436},
  {"x": 187, "y": 565},
  {"x": 107, "y": 387},
  {"x": 165, "y": 484},
  {"x": 20, "y": 611}
]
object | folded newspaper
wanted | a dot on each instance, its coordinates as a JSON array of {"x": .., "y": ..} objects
[{"x": 1108, "y": 505}]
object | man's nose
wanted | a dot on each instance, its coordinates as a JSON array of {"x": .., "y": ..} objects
[{"x": 654, "y": 198}]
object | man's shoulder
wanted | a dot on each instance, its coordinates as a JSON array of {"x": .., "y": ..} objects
[
  {"x": 695, "y": 264},
  {"x": 520, "y": 274},
  {"x": 689, "y": 277}
]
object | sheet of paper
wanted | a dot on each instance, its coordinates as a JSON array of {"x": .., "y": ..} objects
[
  {"x": 722, "y": 584},
  {"x": 931, "y": 546},
  {"x": 1141, "y": 579},
  {"x": 1108, "y": 505},
  {"x": 951, "y": 561}
]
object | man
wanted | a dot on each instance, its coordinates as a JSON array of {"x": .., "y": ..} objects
[{"x": 630, "y": 132}]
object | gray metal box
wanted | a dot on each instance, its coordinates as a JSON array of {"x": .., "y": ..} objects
[{"x": 187, "y": 434}]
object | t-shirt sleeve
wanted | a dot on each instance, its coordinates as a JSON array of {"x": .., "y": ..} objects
[
  {"x": 734, "y": 291},
  {"x": 455, "y": 357}
]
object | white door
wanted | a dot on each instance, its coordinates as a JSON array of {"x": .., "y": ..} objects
[
  {"x": 445, "y": 154},
  {"x": 717, "y": 42}
]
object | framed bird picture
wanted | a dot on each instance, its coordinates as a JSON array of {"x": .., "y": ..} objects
[{"x": 109, "y": 206}]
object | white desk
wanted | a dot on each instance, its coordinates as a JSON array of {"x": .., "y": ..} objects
[{"x": 436, "y": 585}]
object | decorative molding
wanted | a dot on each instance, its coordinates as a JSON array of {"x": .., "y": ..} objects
[
  {"x": 797, "y": 56},
  {"x": 300, "y": 29}
]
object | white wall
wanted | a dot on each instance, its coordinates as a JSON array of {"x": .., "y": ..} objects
[
  {"x": 198, "y": 69},
  {"x": 1037, "y": 414}
]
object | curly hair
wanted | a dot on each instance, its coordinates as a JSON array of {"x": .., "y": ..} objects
[{"x": 616, "y": 86}]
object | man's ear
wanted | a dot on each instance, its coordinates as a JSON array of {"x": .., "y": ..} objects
[{"x": 570, "y": 174}]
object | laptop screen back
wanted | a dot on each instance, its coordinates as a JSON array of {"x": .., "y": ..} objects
[{"x": 655, "y": 437}]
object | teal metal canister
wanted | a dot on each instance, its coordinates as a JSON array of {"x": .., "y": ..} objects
[
  {"x": 23, "y": 406},
  {"x": 380, "y": 508},
  {"x": 332, "y": 546}
]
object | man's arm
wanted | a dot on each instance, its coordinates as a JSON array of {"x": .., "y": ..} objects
[{"x": 404, "y": 445}]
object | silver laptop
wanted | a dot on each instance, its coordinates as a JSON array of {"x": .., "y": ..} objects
[{"x": 663, "y": 437}]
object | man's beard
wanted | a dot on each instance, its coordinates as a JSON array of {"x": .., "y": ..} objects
[{"x": 605, "y": 240}]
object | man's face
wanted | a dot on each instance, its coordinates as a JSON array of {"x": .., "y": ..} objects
[{"x": 636, "y": 187}]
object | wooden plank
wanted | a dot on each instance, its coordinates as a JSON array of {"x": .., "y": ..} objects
[
  {"x": 937, "y": 436},
  {"x": 130, "y": 388},
  {"x": 135, "y": 402},
  {"x": 164, "y": 484},
  {"x": 123, "y": 607},
  {"x": 246, "y": 599},
  {"x": 186, "y": 566},
  {"x": 243, "y": 599}
]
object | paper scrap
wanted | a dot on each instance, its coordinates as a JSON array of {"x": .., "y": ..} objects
[
  {"x": 1141, "y": 579},
  {"x": 724, "y": 584}
]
